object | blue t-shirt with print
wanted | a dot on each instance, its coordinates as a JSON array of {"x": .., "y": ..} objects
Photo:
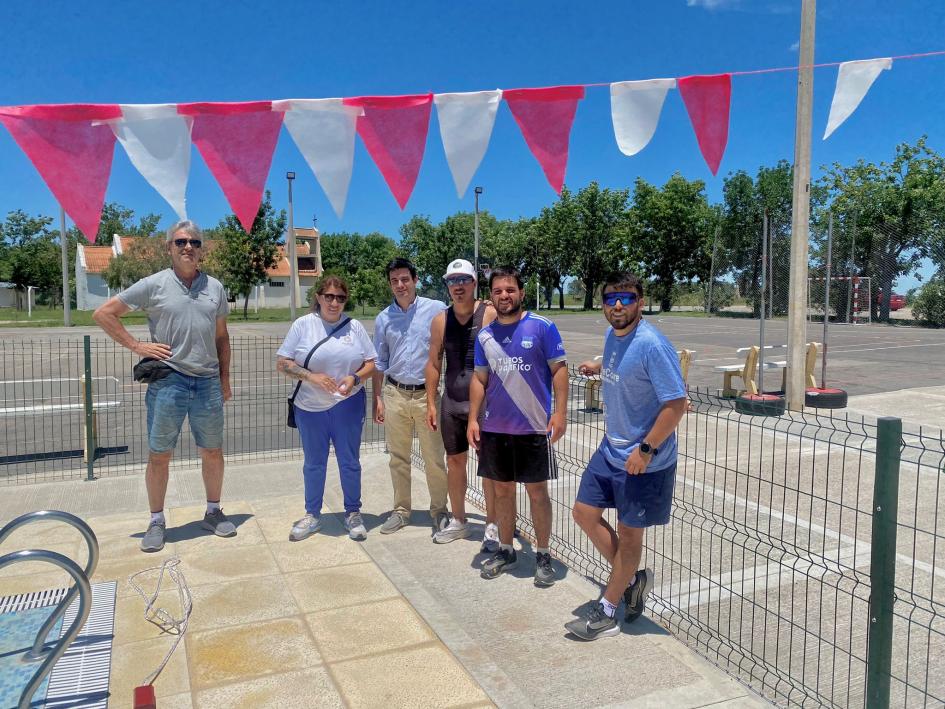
[
  {"x": 518, "y": 359},
  {"x": 640, "y": 372}
]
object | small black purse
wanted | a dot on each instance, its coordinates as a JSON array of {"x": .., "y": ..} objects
[
  {"x": 290, "y": 416},
  {"x": 150, "y": 370}
]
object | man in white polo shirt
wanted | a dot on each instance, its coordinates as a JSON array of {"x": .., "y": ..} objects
[{"x": 190, "y": 347}]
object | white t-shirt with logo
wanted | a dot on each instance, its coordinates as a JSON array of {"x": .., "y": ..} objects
[{"x": 342, "y": 355}]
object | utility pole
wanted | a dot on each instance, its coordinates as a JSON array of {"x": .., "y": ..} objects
[
  {"x": 64, "y": 247},
  {"x": 293, "y": 261},
  {"x": 800, "y": 210},
  {"x": 477, "y": 191}
]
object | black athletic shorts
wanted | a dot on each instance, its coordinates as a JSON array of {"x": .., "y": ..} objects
[
  {"x": 453, "y": 430},
  {"x": 523, "y": 458}
]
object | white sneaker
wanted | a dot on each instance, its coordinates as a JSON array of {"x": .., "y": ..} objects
[
  {"x": 355, "y": 526},
  {"x": 305, "y": 527},
  {"x": 490, "y": 539},
  {"x": 453, "y": 531}
]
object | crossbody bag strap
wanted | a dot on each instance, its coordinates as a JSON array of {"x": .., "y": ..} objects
[{"x": 318, "y": 344}]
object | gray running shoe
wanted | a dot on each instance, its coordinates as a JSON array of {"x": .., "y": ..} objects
[
  {"x": 217, "y": 523},
  {"x": 396, "y": 521},
  {"x": 453, "y": 531},
  {"x": 153, "y": 539},
  {"x": 635, "y": 596},
  {"x": 355, "y": 526},
  {"x": 440, "y": 522},
  {"x": 490, "y": 539},
  {"x": 305, "y": 527},
  {"x": 502, "y": 561},
  {"x": 544, "y": 572},
  {"x": 595, "y": 624}
]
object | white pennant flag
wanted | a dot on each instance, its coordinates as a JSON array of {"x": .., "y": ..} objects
[
  {"x": 853, "y": 81},
  {"x": 157, "y": 141},
  {"x": 466, "y": 122},
  {"x": 635, "y": 107},
  {"x": 324, "y": 130}
]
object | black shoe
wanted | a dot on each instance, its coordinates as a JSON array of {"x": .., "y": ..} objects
[
  {"x": 502, "y": 561},
  {"x": 544, "y": 571},
  {"x": 596, "y": 624},
  {"x": 635, "y": 596}
]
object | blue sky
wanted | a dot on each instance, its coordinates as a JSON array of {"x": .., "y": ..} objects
[{"x": 62, "y": 52}]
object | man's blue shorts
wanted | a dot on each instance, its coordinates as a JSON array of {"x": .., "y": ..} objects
[
  {"x": 641, "y": 500},
  {"x": 169, "y": 400}
]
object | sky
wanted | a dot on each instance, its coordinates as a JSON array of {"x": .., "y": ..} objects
[{"x": 108, "y": 52}]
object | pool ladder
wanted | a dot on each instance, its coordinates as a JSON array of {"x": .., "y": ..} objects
[{"x": 81, "y": 588}]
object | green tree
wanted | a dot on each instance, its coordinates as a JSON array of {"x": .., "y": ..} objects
[
  {"x": 929, "y": 303},
  {"x": 120, "y": 220},
  {"x": 31, "y": 256},
  {"x": 241, "y": 260},
  {"x": 672, "y": 229},
  {"x": 146, "y": 255},
  {"x": 894, "y": 211}
]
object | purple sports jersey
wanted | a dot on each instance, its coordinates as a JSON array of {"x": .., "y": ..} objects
[{"x": 517, "y": 358}]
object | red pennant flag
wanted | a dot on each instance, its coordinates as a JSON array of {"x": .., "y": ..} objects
[
  {"x": 708, "y": 99},
  {"x": 71, "y": 154},
  {"x": 394, "y": 131},
  {"x": 237, "y": 141},
  {"x": 545, "y": 117}
]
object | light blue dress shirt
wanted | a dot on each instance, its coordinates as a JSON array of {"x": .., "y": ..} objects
[{"x": 402, "y": 339}]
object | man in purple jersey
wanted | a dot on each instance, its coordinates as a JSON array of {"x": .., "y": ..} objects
[{"x": 519, "y": 361}]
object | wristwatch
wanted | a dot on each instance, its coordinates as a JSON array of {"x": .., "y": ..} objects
[
  {"x": 357, "y": 379},
  {"x": 647, "y": 449}
]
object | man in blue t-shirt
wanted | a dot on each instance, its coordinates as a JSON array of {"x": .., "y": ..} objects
[
  {"x": 634, "y": 468},
  {"x": 519, "y": 360}
]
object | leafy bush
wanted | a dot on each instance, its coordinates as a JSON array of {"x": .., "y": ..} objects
[{"x": 929, "y": 304}]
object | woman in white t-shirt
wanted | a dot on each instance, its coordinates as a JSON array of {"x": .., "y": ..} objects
[{"x": 330, "y": 404}]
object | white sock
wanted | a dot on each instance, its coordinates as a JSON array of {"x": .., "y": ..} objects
[
  {"x": 158, "y": 517},
  {"x": 633, "y": 580},
  {"x": 541, "y": 551},
  {"x": 609, "y": 608},
  {"x": 507, "y": 547},
  {"x": 213, "y": 506}
]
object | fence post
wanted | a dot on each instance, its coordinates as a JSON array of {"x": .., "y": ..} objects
[
  {"x": 883, "y": 561},
  {"x": 89, "y": 411}
]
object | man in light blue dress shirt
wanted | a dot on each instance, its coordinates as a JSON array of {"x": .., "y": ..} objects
[{"x": 402, "y": 341}]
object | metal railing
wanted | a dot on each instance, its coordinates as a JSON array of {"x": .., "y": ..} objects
[{"x": 783, "y": 528}]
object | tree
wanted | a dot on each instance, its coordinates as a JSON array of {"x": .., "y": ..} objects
[
  {"x": 672, "y": 229},
  {"x": 240, "y": 260},
  {"x": 551, "y": 242},
  {"x": 146, "y": 255},
  {"x": 32, "y": 256},
  {"x": 893, "y": 210},
  {"x": 117, "y": 219}
]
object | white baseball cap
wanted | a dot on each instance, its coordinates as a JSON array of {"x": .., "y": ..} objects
[{"x": 460, "y": 267}]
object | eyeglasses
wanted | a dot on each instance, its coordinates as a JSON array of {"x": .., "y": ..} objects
[
  {"x": 334, "y": 298},
  {"x": 625, "y": 299},
  {"x": 182, "y": 243},
  {"x": 458, "y": 280}
]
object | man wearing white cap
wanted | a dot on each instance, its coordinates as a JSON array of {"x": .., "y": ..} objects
[{"x": 453, "y": 333}]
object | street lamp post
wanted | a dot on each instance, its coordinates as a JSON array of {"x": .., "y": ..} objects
[
  {"x": 64, "y": 252},
  {"x": 478, "y": 191},
  {"x": 293, "y": 262}
]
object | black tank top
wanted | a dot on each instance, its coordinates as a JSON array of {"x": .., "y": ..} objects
[{"x": 459, "y": 345}]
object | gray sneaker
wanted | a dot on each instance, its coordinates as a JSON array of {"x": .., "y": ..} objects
[
  {"x": 396, "y": 521},
  {"x": 595, "y": 624},
  {"x": 355, "y": 526},
  {"x": 217, "y": 523},
  {"x": 305, "y": 527},
  {"x": 153, "y": 539},
  {"x": 502, "y": 561},
  {"x": 453, "y": 531},
  {"x": 440, "y": 521},
  {"x": 490, "y": 539},
  {"x": 635, "y": 596},
  {"x": 544, "y": 572}
]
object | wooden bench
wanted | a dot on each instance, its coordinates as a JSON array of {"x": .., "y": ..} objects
[
  {"x": 748, "y": 369},
  {"x": 592, "y": 400}
]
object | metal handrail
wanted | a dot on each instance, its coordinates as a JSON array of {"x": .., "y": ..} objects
[
  {"x": 84, "y": 590},
  {"x": 38, "y": 651}
]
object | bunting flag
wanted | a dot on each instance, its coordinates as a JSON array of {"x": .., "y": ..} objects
[
  {"x": 854, "y": 79},
  {"x": 157, "y": 140},
  {"x": 394, "y": 131},
  {"x": 466, "y": 122},
  {"x": 545, "y": 117},
  {"x": 323, "y": 131},
  {"x": 72, "y": 153},
  {"x": 708, "y": 100},
  {"x": 635, "y": 108},
  {"x": 237, "y": 141}
]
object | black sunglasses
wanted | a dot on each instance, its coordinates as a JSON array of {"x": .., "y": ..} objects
[
  {"x": 182, "y": 243},
  {"x": 332, "y": 298}
]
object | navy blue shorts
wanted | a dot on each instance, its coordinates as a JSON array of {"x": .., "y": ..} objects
[{"x": 641, "y": 500}]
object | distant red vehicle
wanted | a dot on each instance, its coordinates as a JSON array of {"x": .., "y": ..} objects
[{"x": 896, "y": 301}]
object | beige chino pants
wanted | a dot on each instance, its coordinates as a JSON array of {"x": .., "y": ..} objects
[{"x": 404, "y": 413}]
